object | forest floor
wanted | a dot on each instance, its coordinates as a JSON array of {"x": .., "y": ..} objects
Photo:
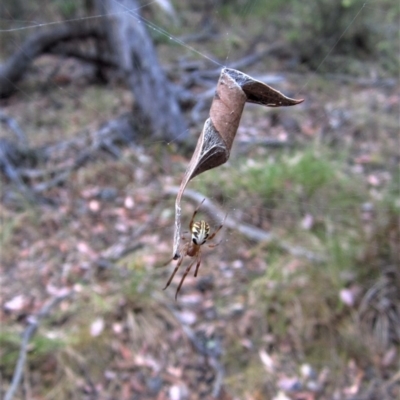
[{"x": 259, "y": 321}]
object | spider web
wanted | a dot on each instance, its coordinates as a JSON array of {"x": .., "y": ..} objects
[
  {"x": 299, "y": 87},
  {"x": 10, "y": 35},
  {"x": 255, "y": 120},
  {"x": 302, "y": 90}
]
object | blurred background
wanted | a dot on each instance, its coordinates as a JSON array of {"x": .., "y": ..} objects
[{"x": 101, "y": 105}]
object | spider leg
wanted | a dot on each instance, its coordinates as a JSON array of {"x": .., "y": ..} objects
[
  {"x": 194, "y": 215},
  {"x": 212, "y": 236},
  {"x": 166, "y": 263},
  {"x": 173, "y": 274},
  {"x": 198, "y": 264},
  {"x": 184, "y": 252},
  {"x": 183, "y": 278},
  {"x": 172, "y": 258},
  {"x": 219, "y": 228}
]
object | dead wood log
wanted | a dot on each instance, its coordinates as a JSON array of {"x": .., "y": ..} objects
[
  {"x": 155, "y": 97},
  {"x": 37, "y": 44}
]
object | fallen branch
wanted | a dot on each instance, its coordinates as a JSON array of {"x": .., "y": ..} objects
[
  {"x": 107, "y": 138},
  {"x": 33, "y": 324},
  {"x": 242, "y": 63},
  {"x": 13, "y": 125},
  {"x": 14, "y": 68},
  {"x": 255, "y": 57},
  {"x": 105, "y": 59},
  {"x": 366, "y": 82},
  {"x": 56, "y": 181},
  {"x": 9, "y": 156},
  {"x": 251, "y": 232}
]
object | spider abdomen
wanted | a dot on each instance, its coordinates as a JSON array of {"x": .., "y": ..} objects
[{"x": 200, "y": 232}]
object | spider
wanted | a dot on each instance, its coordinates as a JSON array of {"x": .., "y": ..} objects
[{"x": 200, "y": 231}]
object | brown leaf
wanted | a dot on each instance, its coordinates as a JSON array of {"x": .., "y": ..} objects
[{"x": 234, "y": 89}]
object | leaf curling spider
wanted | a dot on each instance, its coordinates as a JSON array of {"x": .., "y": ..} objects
[{"x": 200, "y": 234}]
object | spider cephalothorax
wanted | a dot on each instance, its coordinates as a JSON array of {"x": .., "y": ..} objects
[{"x": 200, "y": 234}]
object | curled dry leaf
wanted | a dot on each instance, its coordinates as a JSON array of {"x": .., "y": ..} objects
[
  {"x": 267, "y": 361},
  {"x": 17, "y": 303},
  {"x": 234, "y": 89},
  {"x": 97, "y": 327}
]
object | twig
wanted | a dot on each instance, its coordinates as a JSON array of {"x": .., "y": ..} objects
[
  {"x": 254, "y": 57},
  {"x": 79, "y": 141},
  {"x": 7, "y": 165},
  {"x": 219, "y": 376},
  {"x": 211, "y": 358},
  {"x": 33, "y": 324},
  {"x": 13, "y": 125},
  {"x": 57, "y": 180},
  {"x": 80, "y": 362},
  {"x": 251, "y": 232},
  {"x": 201, "y": 348},
  {"x": 242, "y": 63},
  {"x": 267, "y": 142},
  {"x": 381, "y": 82},
  {"x": 30, "y": 173}
]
